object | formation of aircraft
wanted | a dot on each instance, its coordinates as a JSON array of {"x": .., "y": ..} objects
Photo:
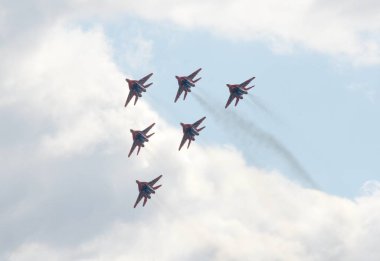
[
  {"x": 190, "y": 131},
  {"x": 237, "y": 91},
  {"x": 185, "y": 83},
  {"x": 139, "y": 137},
  {"x": 136, "y": 88},
  {"x": 145, "y": 189}
]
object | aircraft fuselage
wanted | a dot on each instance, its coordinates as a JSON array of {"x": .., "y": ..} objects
[
  {"x": 238, "y": 92},
  {"x": 191, "y": 131},
  {"x": 138, "y": 88},
  {"x": 186, "y": 84},
  {"x": 146, "y": 190},
  {"x": 141, "y": 138}
]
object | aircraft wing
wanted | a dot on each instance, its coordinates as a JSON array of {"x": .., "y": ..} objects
[
  {"x": 197, "y": 123},
  {"x": 179, "y": 92},
  {"x": 247, "y": 82},
  {"x": 182, "y": 141},
  {"x": 229, "y": 100},
  {"x": 139, "y": 197},
  {"x": 151, "y": 183},
  {"x": 144, "y": 79},
  {"x": 129, "y": 98},
  {"x": 132, "y": 148},
  {"x": 191, "y": 76},
  {"x": 148, "y": 129}
]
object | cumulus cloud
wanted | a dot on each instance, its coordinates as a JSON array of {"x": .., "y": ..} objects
[
  {"x": 214, "y": 209},
  {"x": 345, "y": 30},
  {"x": 139, "y": 52},
  {"x": 67, "y": 191}
]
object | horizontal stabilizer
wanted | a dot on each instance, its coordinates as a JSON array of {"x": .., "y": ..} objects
[
  {"x": 201, "y": 128},
  {"x": 248, "y": 88},
  {"x": 156, "y": 187}
]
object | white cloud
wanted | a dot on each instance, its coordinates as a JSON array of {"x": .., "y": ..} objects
[
  {"x": 370, "y": 187},
  {"x": 346, "y": 30},
  {"x": 343, "y": 29},
  {"x": 215, "y": 209},
  {"x": 77, "y": 205},
  {"x": 71, "y": 80},
  {"x": 139, "y": 52}
]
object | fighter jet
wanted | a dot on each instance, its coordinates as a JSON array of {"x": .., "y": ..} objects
[
  {"x": 189, "y": 132},
  {"x": 145, "y": 189},
  {"x": 185, "y": 83},
  {"x": 136, "y": 88},
  {"x": 237, "y": 91},
  {"x": 139, "y": 137}
]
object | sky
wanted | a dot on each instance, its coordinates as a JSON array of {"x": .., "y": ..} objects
[{"x": 293, "y": 168}]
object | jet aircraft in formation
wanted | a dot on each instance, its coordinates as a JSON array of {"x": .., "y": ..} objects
[
  {"x": 136, "y": 88},
  {"x": 237, "y": 91},
  {"x": 190, "y": 131},
  {"x": 139, "y": 137},
  {"x": 145, "y": 189},
  {"x": 185, "y": 83}
]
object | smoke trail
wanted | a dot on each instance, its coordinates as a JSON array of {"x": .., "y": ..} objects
[
  {"x": 256, "y": 101},
  {"x": 250, "y": 131},
  {"x": 259, "y": 103}
]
